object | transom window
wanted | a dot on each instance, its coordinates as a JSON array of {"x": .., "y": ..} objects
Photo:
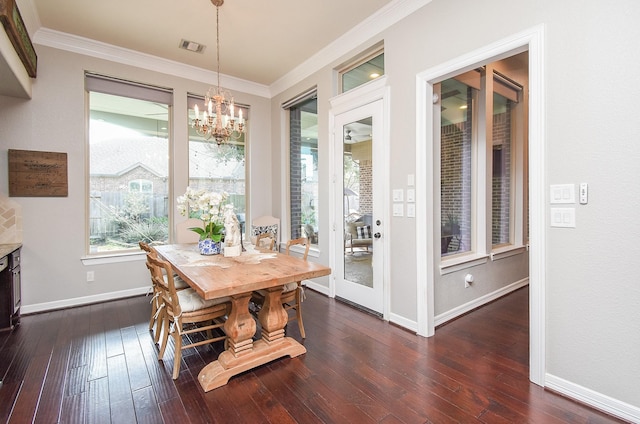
[{"x": 361, "y": 71}]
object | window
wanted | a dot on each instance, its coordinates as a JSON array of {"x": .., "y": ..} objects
[
  {"x": 482, "y": 145},
  {"x": 362, "y": 71},
  {"x": 303, "y": 166},
  {"x": 219, "y": 168},
  {"x": 456, "y": 155},
  {"x": 128, "y": 164},
  {"x": 141, "y": 186}
]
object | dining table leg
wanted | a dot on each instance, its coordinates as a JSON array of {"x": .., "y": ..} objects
[{"x": 243, "y": 353}]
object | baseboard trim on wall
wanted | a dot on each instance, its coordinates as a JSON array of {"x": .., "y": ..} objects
[
  {"x": 79, "y": 301},
  {"x": 104, "y": 297},
  {"x": 317, "y": 287},
  {"x": 403, "y": 322},
  {"x": 592, "y": 398},
  {"x": 476, "y": 303}
]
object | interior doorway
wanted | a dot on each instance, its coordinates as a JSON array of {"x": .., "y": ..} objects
[{"x": 427, "y": 268}]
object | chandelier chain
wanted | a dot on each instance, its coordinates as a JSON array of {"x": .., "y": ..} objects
[
  {"x": 218, "y": 42},
  {"x": 218, "y": 118}
]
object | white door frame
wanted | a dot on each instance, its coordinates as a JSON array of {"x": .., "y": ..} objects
[
  {"x": 365, "y": 94},
  {"x": 533, "y": 41}
]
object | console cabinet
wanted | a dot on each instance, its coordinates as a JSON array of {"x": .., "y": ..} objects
[{"x": 10, "y": 290}]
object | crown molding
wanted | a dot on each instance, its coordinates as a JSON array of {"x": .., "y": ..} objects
[
  {"x": 365, "y": 30},
  {"x": 84, "y": 46},
  {"x": 359, "y": 34}
]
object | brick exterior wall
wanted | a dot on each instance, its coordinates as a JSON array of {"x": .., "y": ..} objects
[
  {"x": 501, "y": 181},
  {"x": 455, "y": 180},
  {"x": 365, "y": 187},
  {"x": 295, "y": 172}
]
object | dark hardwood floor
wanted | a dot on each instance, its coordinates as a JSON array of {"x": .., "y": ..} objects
[{"x": 98, "y": 364}]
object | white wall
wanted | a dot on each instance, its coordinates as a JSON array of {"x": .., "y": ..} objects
[
  {"x": 591, "y": 63},
  {"x": 54, "y": 228},
  {"x": 591, "y": 108}
]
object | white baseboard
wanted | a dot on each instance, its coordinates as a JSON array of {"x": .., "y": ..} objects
[
  {"x": 79, "y": 301},
  {"x": 403, "y": 322},
  {"x": 594, "y": 399},
  {"x": 103, "y": 297},
  {"x": 317, "y": 287},
  {"x": 475, "y": 303}
]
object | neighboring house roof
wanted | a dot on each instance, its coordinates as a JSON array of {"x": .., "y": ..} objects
[{"x": 116, "y": 156}]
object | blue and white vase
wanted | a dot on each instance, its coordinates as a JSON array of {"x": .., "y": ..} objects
[{"x": 209, "y": 247}]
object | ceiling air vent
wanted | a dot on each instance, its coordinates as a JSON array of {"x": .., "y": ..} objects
[{"x": 192, "y": 46}]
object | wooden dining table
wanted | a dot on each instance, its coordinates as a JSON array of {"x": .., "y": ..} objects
[{"x": 237, "y": 277}]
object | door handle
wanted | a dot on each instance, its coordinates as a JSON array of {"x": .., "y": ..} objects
[{"x": 377, "y": 235}]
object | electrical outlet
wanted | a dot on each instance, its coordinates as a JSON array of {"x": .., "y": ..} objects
[
  {"x": 90, "y": 276},
  {"x": 468, "y": 279}
]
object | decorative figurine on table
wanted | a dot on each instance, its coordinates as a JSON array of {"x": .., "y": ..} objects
[{"x": 232, "y": 235}]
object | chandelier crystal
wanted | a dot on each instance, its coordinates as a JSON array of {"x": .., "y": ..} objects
[{"x": 218, "y": 117}]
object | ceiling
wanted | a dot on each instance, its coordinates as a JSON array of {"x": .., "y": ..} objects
[{"x": 260, "y": 41}]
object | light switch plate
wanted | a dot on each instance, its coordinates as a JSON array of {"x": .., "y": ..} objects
[
  {"x": 411, "y": 195},
  {"x": 398, "y": 195},
  {"x": 563, "y": 217},
  {"x": 398, "y": 209},
  {"x": 562, "y": 193},
  {"x": 411, "y": 210}
]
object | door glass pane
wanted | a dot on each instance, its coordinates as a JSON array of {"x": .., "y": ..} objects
[
  {"x": 358, "y": 202},
  {"x": 456, "y": 137}
]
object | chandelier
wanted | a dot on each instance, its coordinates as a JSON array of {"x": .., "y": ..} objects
[{"x": 218, "y": 117}]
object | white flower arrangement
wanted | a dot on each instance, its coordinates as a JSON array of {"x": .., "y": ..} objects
[{"x": 207, "y": 206}]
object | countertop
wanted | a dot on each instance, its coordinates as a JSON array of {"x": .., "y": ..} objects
[{"x": 6, "y": 249}]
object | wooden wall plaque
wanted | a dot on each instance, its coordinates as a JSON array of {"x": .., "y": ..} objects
[
  {"x": 37, "y": 174},
  {"x": 17, "y": 33}
]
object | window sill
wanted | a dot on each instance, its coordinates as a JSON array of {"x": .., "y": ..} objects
[
  {"x": 506, "y": 251},
  {"x": 112, "y": 259},
  {"x": 448, "y": 266}
]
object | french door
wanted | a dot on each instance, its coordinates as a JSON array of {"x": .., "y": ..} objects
[{"x": 359, "y": 206}]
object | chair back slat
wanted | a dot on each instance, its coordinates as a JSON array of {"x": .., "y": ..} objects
[
  {"x": 268, "y": 237},
  {"x": 299, "y": 241},
  {"x": 162, "y": 275}
]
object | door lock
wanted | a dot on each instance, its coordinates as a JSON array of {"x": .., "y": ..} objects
[
  {"x": 377, "y": 235},
  {"x": 378, "y": 222}
]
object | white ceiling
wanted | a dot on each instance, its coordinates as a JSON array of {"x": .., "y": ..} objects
[{"x": 260, "y": 40}]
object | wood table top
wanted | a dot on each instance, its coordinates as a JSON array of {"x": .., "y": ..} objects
[{"x": 217, "y": 276}]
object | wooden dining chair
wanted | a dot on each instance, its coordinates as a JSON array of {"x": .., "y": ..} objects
[
  {"x": 181, "y": 309},
  {"x": 265, "y": 224},
  {"x": 155, "y": 321},
  {"x": 265, "y": 240},
  {"x": 292, "y": 293}
]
